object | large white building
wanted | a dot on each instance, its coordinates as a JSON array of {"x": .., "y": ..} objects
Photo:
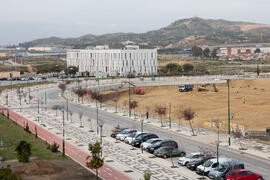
[{"x": 102, "y": 61}]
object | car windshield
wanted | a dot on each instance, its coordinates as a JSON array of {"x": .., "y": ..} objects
[
  {"x": 207, "y": 164},
  {"x": 221, "y": 168},
  {"x": 189, "y": 155}
]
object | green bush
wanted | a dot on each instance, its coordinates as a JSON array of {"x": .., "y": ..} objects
[
  {"x": 54, "y": 147},
  {"x": 27, "y": 128},
  {"x": 147, "y": 175},
  {"x": 23, "y": 150},
  {"x": 7, "y": 174}
]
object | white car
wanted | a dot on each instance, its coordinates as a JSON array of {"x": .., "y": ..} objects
[
  {"x": 150, "y": 142},
  {"x": 122, "y": 133},
  {"x": 131, "y": 131},
  {"x": 131, "y": 137},
  {"x": 189, "y": 157}
]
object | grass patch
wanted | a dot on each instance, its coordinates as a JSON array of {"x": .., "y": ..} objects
[{"x": 12, "y": 134}]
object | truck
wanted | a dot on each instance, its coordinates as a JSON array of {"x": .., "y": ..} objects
[{"x": 185, "y": 87}]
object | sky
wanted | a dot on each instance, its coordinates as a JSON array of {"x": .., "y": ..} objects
[{"x": 25, "y": 20}]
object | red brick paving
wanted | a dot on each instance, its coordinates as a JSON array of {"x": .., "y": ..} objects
[{"x": 106, "y": 172}]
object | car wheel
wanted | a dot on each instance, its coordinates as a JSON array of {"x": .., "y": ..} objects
[
  {"x": 165, "y": 156},
  {"x": 259, "y": 179},
  {"x": 182, "y": 154}
]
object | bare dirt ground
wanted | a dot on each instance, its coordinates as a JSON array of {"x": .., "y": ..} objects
[
  {"x": 250, "y": 103},
  {"x": 49, "y": 170}
]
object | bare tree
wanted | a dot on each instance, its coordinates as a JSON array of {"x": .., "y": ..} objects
[
  {"x": 161, "y": 111},
  {"x": 115, "y": 99},
  {"x": 80, "y": 117},
  {"x": 90, "y": 123},
  {"x": 133, "y": 105},
  {"x": 188, "y": 114},
  {"x": 63, "y": 87},
  {"x": 56, "y": 108},
  {"x": 70, "y": 114},
  {"x": 80, "y": 92}
]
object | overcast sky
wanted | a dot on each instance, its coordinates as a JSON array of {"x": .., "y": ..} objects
[{"x": 24, "y": 20}]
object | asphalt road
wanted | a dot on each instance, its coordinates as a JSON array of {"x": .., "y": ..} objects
[{"x": 258, "y": 165}]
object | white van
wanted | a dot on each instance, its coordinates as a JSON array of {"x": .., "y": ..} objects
[{"x": 209, "y": 165}]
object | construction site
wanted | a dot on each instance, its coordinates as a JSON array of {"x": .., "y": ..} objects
[{"x": 249, "y": 103}]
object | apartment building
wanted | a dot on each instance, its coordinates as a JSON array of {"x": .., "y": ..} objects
[{"x": 102, "y": 61}]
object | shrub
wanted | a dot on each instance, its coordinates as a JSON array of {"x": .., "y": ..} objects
[
  {"x": 23, "y": 150},
  {"x": 147, "y": 175},
  {"x": 54, "y": 147},
  {"x": 27, "y": 128},
  {"x": 6, "y": 173}
]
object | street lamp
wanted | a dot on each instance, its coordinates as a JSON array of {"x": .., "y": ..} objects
[
  {"x": 101, "y": 123},
  {"x": 229, "y": 115},
  {"x": 63, "y": 133},
  {"x": 142, "y": 132}
]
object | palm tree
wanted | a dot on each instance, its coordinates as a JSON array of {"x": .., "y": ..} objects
[{"x": 188, "y": 114}]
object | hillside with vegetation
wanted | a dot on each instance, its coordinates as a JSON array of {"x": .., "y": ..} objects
[{"x": 181, "y": 33}]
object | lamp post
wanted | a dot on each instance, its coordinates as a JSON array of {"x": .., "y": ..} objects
[
  {"x": 101, "y": 126},
  {"x": 170, "y": 115},
  {"x": 63, "y": 128},
  {"x": 229, "y": 115},
  {"x": 142, "y": 133}
]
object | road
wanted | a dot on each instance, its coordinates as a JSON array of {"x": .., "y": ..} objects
[{"x": 259, "y": 165}]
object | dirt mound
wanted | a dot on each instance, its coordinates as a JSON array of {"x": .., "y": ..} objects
[{"x": 42, "y": 167}]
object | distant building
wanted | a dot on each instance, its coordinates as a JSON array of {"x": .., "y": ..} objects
[
  {"x": 11, "y": 74},
  {"x": 244, "y": 53},
  {"x": 3, "y": 54},
  {"x": 104, "y": 61}
]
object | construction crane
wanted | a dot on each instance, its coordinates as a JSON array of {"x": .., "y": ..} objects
[{"x": 138, "y": 90}]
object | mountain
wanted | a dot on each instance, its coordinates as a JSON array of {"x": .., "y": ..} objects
[{"x": 181, "y": 33}]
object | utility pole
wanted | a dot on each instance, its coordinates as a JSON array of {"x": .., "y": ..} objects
[
  {"x": 101, "y": 126},
  {"x": 170, "y": 115},
  {"x": 38, "y": 111},
  {"x": 142, "y": 134},
  {"x": 67, "y": 108},
  {"x": 129, "y": 97},
  {"x": 229, "y": 113},
  {"x": 97, "y": 115},
  {"x": 45, "y": 99},
  {"x": 63, "y": 148}
]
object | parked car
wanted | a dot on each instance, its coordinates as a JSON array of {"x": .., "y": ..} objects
[
  {"x": 223, "y": 168},
  {"x": 113, "y": 135},
  {"x": 209, "y": 165},
  {"x": 242, "y": 174},
  {"x": 138, "y": 135},
  {"x": 189, "y": 157},
  {"x": 195, "y": 163},
  {"x": 144, "y": 137},
  {"x": 124, "y": 135},
  {"x": 130, "y": 137},
  {"x": 162, "y": 143},
  {"x": 166, "y": 152},
  {"x": 150, "y": 142}
]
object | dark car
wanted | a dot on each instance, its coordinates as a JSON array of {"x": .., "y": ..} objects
[
  {"x": 114, "y": 134},
  {"x": 163, "y": 143},
  {"x": 145, "y": 137},
  {"x": 166, "y": 152},
  {"x": 193, "y": 164}
]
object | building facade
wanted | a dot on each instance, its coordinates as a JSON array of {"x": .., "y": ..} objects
[{"x": 113, "y": 62}]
